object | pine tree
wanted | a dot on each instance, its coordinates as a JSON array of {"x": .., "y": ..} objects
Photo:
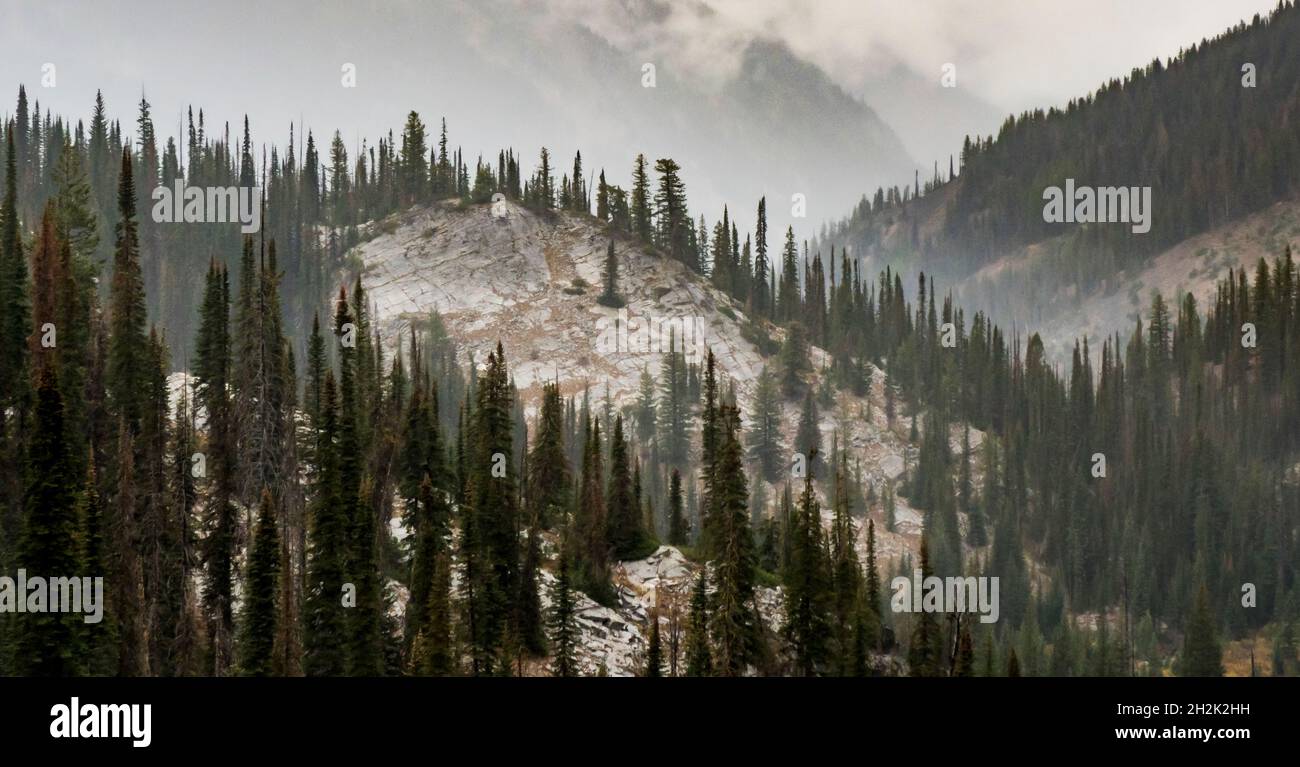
[
  {"x": 624, "y": 533},
  {"x": 765, "y": 428},
  {"x": 549, "y": 476},
  {"x": 699, "y": 656},
  {"x": 590, "y": 540},
  {"x": 788, "y": 300},
  {"x": 735, "y": 621},
  {"x": 1202, "y": 655},
  {"x": 212, "y": 377},
  {"x": 325, "y": 619},
  {"x": 128, "y": 345},
  {"x": 794, "y": 364},
  {"x": 807, "y": 581},
  {"x": 808, "y": 437},
  {"x": 440, "y": 658},
  {"x": 924, "y": 654},
  {"x": 640, "y": 209},
  {"x": 671, "y": 217},
  {"x": 101, "y": 638},
  {"x": 48, "y": 643},
  {"x": 678, "y": 527},
  {"x": 257, "y": 628},
  {"x": 609, "y": 295},
  {"x": 654, "y": 661},
  {"x": 759, "y": 300},
  {"x": 846, "y": 575},
  {"x": 564, "y": 632},
  {"x": 15, "y": 308}
]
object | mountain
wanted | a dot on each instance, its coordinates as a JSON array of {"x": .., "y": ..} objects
[
  {"x": 1209, "y": 131},
  {"x": 768, "y": 123},
  {"x": 504, "y": 273}
]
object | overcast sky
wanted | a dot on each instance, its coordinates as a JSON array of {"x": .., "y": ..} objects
[{"x": 280, "y": 61}]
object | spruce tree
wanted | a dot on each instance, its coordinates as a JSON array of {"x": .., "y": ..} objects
[
  {"x": 640, "y": 208},
  {"x": 1202, "y": 655},
  {"x": 793, "y": 358},
  {"x": 699, "y": 655},
  {"x": 325, "y": 618},
  {"x": 808, "y": 437},
  {"x": 549, "y": 476},
  {"x": 654, "y": 651},
  {"x": 624, "y": 533},
  {"x": 678, "y": 527},
  {"x": 735, "y": 620},
  {"x": 564, "y": 631},
  {"x": 48, "y": 643},
  {"x": 609, "y": 295},
  {"x": 765, "y": 428},
  {"x": 924, "y": 653},
  {"x": 807, "y": 580},
  {"x": 257, "y": 628}
]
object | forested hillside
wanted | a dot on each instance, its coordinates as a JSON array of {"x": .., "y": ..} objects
[
  {"x": 334, "y": 490},
  {"x": 1211, "y": 131}
]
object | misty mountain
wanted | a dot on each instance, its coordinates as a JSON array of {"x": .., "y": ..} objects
[{"x": 777, "y": 126}]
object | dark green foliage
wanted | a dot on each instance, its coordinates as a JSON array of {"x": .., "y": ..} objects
[
  {"x": 564, "y": 631},
  {"x": 324, "y": 617},
  {"x": 624, "y": 531},
  {"x": 925, "y": 651},
  {"x": 807, "y": 579},
  {"x": 795, "y": 367},
  {"x": 1202, "y": 654},
  {"x": 48, "y": 643},
  {"x": 257, "y": 627},
  {"x": 609, "y": 295},
  {"x": 699, "y": 655},
  {"x": 654, "y": 660},
  {"x": 735, "y": 620},
  {"x": 549, "y": 475},
  {"x": 808, "y": 437},
  {"x": 678, "y": 527},
  {"x": 765, "y": 426}
]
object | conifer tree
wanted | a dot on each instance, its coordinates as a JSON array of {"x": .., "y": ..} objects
[
  {"x": 1202, "y": 655},
  {"x": 699, "y": 656},
  {"x": 924, "y": 654},
  {"x": 678, "y": 527},
  {"x": 440, "y": 658},
  {"x": 807, "y": 579},
  {"x": 212, "y": 377},
  {"x": 795, "y": 367},
  {"x": 128, "y": 346},
  {"x": 640, "y": 208},
  {"x": 100, "y": 638},
  {"x": 609, "y": 296},
  {"x": 808, "y": 437},
  {"x": 654, "y": 661},
  {"x": 564, "y": 632},
  {"x": 257, "y": 628},
  {"x": 735, "y": 621},
  {"x": 48, "y": 642},
  {"x": 549, "y": 476},
  {"x": 765, "y": 428},
  {"x": 325, "y": 619},
  {"x": 624, "y": 533}
]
